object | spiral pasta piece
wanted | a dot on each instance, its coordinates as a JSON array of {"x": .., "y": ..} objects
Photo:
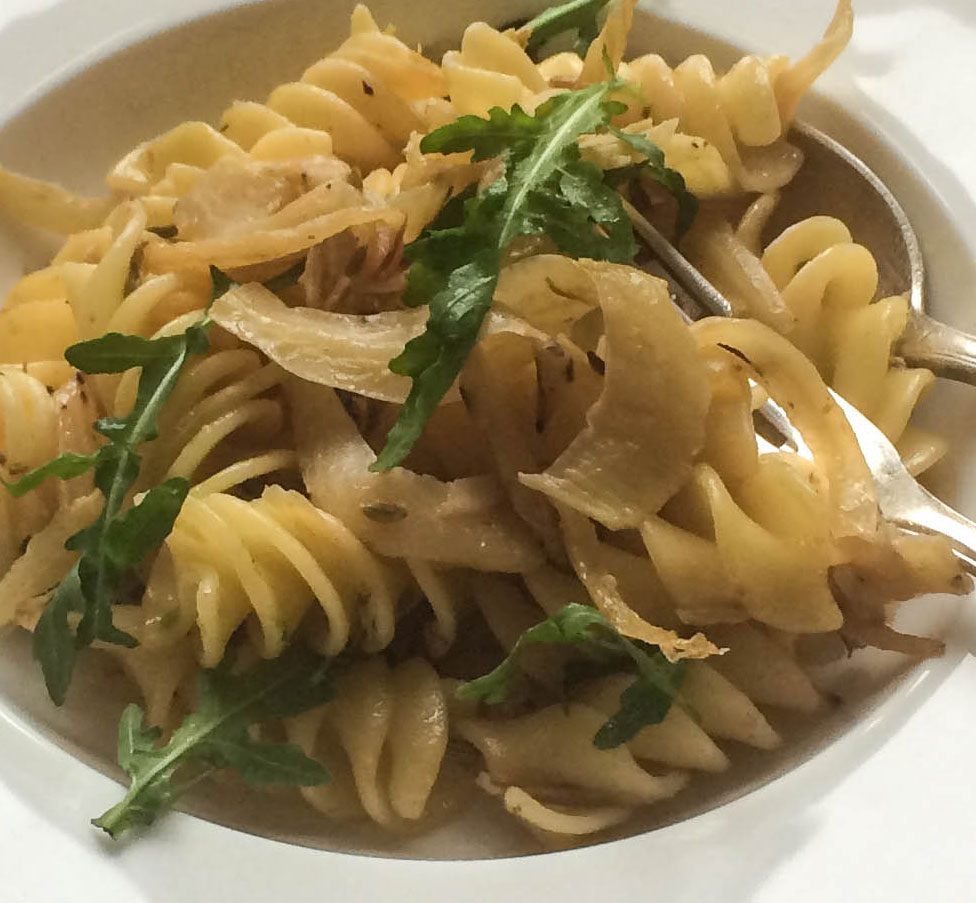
[
  {"x": 360, "y": 103},
  {"x": 276, "y": 561},
  {"x": 817, "y": 286},
  {"x": 554, "y": 747},
  {"x": 745, "y": 112},
  {"x": 35, "y": 330},
  {"x": 158, "y": 675},
  {"x": 720, "y": 700},
  {"x": 37, "y": 424},
  {"x": 383, "y": 740},
  {"x": 220, "y": 401},
  {"x": 722, "y": 132},
  {"x": 829, "y": 283},
  {"x": 734, "y": 683},
  {"x": 28, "y": 421},
  {"x": 491, "y": 70},
  {"x": 226, "y": 394},
  {"x": 773, "y": 537}
]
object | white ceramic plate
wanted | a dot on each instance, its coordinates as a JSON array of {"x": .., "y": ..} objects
[{"x": 883, "y": 813}]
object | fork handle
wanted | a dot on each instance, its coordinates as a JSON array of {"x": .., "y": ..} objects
[
  {"x": 934, "y": 516},
  {"x": 940, "y": 348}
]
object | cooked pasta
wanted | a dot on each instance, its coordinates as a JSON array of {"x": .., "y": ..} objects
[
  {"x": 271, "y": 558},
  {"x": 38, "y": 424},
  {"x": 815, "y": 284},
  {"x": 595, "y": 457},
  {"x": 383, "y": 739}
]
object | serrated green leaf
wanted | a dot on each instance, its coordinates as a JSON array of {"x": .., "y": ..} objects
[
  {"x": 434, "y": 358},
  {"x": 263, "y": 764},
  {"x": 116, "y": 353},
  {"x": 513, "y": 131},
  {"x": 645, "y": 702},
  {"x": 669, "y": 179},
  {"x": 580, "y": 16},
  {"x": 118, "y": 539},
  {"x": 582, "y": 185},
  {"x": 641, "y": 704},
  {"x": 139, "y": 756},
  {"x": 53, "y": 644},
  {"x": 135, "y": 738},
  {"x": 564, "y": 117},
  {"x": 216, "y": 736},
  {"x": 572, "y": 625},
  {"x": 64, "y": 467},
  {"x": 135, "y": 533},
  {"x": 455, "y": 268}
]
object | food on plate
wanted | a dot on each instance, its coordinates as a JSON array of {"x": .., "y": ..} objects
[{"x": 355, "y": 430}]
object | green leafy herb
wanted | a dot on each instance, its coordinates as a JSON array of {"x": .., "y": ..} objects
[
  {"x": 579, "y": 16},
  {"x": 65, "y": 467},
  {"x": 644, "y": 702},
  {"x": 669, "y": 179},
  {"x": 217, "y": 736},
  {"x": 119, "y": 539},
  {"x": 546, "y": 189}
]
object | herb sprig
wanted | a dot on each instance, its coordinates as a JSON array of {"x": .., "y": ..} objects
[
  {"x": 579, "y": 16},
  {"x": 545, "y": 189},
  {"x": 646, "y": 701},
  {"x": 670, "y": 179},
  {"x": 217, "y": 736},
  {"x": 118, "y": 540}
]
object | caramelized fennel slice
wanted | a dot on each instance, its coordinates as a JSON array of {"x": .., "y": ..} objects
[
  {"x": 465, "y": 522},
  {"x": 642, "y": 434},
  {"x": 351, "y": 352}
]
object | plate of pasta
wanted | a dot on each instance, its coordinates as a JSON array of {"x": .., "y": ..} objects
[{"x": 373, "y": 512}]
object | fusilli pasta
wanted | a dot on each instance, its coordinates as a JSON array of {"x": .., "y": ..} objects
[{"x": 594, "y": 451}]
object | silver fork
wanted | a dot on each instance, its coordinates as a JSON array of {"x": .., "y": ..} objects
[{"x": 902, "y": 500}]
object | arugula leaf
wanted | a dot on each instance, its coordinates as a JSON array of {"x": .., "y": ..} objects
[
  {"x": 568, "y": 627},
  {"x": 641, "y": 704},
  {"x": 216, "y": 736},
  {"x": 546, "y": 189},
  {"x": 65, "y": 467},
  {"x": 435, "y": 358},
  {"x": 644, "y": 702},
  {"x": 563, "y": 119},
  {"x": 576, "y": 15},
  {"x": 116, "y": 353},
  {"x": 669, "y": 179},
  {"x": 118, "y": 540},
  {"x": 501, "y": 132},
  {"x": 134, "y": 534},
  {"x": 54, "y": 644}
]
